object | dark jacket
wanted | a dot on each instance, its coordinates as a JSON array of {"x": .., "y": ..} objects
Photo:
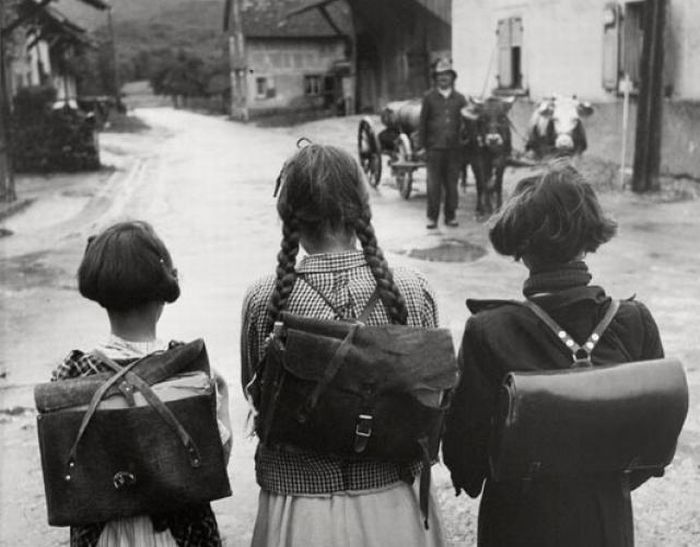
[
  {"x": 503, "y": 336},
  {"x": 440, "y": 120}
]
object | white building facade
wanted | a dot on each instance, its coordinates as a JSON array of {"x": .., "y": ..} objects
[{"x": 580, "y": 47}]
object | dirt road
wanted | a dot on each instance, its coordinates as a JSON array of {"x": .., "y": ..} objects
[{"x": 206, "y": 185}]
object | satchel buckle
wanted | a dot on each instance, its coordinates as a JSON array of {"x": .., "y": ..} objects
[
  {"x": 123, "y": 479},
  {"x": 364, "y": 425},
  {"x": 363, "y": 431}
]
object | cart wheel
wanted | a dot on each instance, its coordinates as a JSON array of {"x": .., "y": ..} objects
[
  {"x": 404, "y": 176},
  {"x": 369, "y": 152}
]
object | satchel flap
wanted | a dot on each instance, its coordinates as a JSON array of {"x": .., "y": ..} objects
[
  {"x": 324, "y": 327},
  {"x": 190, "y": 357},
  {"x": 619, "y": 417},
  {"x": 394, "y": 357}
]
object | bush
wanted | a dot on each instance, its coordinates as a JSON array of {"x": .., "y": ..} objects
[{"x": 46, "y": 139}]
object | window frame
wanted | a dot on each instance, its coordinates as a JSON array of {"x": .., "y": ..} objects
[
  {"x": 509, "y": 49},
  {"x": 315, "y": 90},
  {"x": 267, "y": 90}
]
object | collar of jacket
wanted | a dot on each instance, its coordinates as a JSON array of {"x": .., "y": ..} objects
[{"x": 550, "y": 301}]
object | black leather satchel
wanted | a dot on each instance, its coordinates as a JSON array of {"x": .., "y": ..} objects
[
  {"x": 356, "y": 391},
  {"x": 104, "y": 459},
  {"x": 588, "y": 419}
]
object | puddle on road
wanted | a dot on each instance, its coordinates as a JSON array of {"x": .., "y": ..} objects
[
  {"x": 4, "y": 232},
  {"x": 449, "y": 250}
]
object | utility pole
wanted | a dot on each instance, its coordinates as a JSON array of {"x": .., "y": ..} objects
[
  {"x": 7, "y": 181},
  {"x": 647, "y": 150},
  {"x": 237, "y": 59}
]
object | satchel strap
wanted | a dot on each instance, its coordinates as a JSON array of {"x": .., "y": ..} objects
[
  {"x": 338, "y": 313},
  {"x": 581, "y": 354},
  {"x": 134, "y": 379},
  {"x": 330, "y": 371}
]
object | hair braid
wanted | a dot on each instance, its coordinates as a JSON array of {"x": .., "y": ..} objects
[
  {"x": 388, "y": 291},
  {"x": 286, "y": 272}
]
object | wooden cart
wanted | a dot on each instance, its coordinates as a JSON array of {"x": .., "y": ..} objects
[{"x": 395, "y": 140}]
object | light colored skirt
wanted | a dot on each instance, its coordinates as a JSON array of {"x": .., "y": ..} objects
[
  {"x": 134, "y": 532},
  {"x": 377, "y": 518}
]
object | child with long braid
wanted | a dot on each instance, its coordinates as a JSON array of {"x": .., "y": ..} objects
[{"x": 317, "y": 499}]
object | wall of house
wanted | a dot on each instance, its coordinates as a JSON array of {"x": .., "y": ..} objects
[
  {"x": 683, "y": 47},
  {"x": 284, "y": 64},
  {"x": 563, "y": 53},
  {"x": 563, "y": 46}
]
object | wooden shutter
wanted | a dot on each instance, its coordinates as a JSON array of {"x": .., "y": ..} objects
[
  {"x": 505, "y": 73},
  {"x": 611, "y": 47},
  {"x": 633, "y": 40}
]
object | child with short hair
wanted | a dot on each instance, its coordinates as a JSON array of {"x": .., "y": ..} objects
[{"x": 128, "y": 270}]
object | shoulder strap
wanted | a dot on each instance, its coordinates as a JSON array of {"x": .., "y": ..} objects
[
  {"x": 581, "y": 355},
  {"x": 370, "y": 306},
  {"x": 339, "y": 315}
]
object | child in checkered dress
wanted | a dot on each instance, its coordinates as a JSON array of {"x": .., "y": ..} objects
[
  {"x": 128, "y": 270},
  {"x": 318, "y": 499}
]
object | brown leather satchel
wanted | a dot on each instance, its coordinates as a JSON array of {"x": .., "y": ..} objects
[
  {"x": 588, "y": 419},
  {"x": 111, "y": 448},
  {"x": 356, "y": 391}
]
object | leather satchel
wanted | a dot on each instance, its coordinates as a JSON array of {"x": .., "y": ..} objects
[
  {"x": 112, "y": 447},
  {"x": 356, "y": 391},
  {"x": 588, "y": 419}
]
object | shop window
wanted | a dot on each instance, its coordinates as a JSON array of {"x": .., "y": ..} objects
[
  {"x": 510, "y": 43},
  {"x": 312, "y": 85}
]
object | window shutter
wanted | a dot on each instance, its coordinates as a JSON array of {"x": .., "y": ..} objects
[
  {"x": 505, "y": 75},
  {"x": 611, "y": 46},
  {"x": 633, "y": 40},
  {"x": 516, "y": 32}
]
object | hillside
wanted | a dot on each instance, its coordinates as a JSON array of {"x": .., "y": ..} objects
[
  {"x": 194, "y": 25},
  {"x": 150, "y": 25},
  {"x": 154, "y": 36},
  {"x": 124, "y": 10}
]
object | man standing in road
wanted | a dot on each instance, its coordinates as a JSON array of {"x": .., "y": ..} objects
[{"x": 439, "y": 135}]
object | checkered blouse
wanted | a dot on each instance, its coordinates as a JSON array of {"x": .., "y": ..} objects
[{"x": 347, "y": 282}]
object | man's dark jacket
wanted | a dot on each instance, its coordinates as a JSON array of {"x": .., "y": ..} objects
[
  {"x": 502, "y": 336},
  {"x": 440, "y": 120}
]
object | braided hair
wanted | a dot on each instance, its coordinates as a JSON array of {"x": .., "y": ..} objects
[{"x": 323, "y": 190}]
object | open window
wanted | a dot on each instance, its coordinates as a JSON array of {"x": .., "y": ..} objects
[{"x": 510, "y": 53}]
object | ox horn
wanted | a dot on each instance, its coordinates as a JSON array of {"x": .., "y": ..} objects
[{"x": 469, "y": 113}]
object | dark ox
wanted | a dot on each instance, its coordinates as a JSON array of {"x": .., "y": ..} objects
[
  {"x": 487, "y": 140},
  {"x": 556, "y": 127}
]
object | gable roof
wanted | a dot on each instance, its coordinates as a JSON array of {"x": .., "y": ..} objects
[{"x": 268, "y": 19}]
